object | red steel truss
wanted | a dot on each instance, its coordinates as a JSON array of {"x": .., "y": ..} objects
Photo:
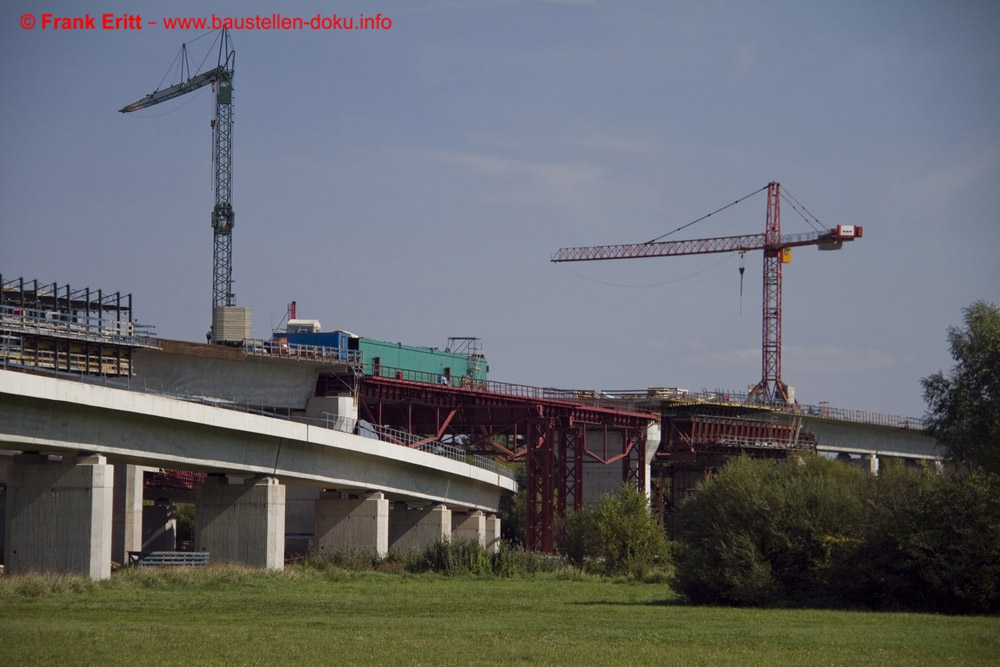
[
  {"x": 686, "y": 435},
  {"x": 549, "y": 435}
]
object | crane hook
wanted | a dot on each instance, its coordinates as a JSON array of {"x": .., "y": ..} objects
[{"x": 742, "y": 269}]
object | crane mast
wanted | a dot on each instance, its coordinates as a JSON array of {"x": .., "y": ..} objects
[
  {"x": 223, "y": 216},
  {"x": 777, "y": 251}
]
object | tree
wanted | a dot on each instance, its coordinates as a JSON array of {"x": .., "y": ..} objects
[
  {"x": 964, "y": 407},
  {"x": 617, "y": 536}
]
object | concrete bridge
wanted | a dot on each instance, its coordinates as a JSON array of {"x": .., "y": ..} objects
[{"x": 74, "y": 490}]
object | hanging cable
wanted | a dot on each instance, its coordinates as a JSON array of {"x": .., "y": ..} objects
[{"x": 707, "y": 216}]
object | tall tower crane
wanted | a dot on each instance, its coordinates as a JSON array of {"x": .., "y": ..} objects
[
  {"x": 777, "y": 251},
  {"x": 223, "y": 217}
]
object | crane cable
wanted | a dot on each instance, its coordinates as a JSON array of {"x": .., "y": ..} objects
[
  {"x": 796, "y": 205},
  {"x": 706, "y": 216}
]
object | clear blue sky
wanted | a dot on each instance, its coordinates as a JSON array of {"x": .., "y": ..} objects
[{"x": 411, "y": 184}]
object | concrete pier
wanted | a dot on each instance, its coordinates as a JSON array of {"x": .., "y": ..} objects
[
  {"x": 59, "y": 516},
  {"x": 241, "y": 523},
  {"x": 492, "y": 533},
  {"x": 159, "y": 526},
  {"x": 469, "y": 526},
  {"x": 412, "y": 529},
  {"x": 361, "y": 523},
  {"x": 870, "y": 463},
  {"x": 126, "y": 517}
]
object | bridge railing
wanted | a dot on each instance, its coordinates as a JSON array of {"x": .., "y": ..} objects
[
  {"x": 399, "y": 437},
  {"x": 494, "y": 387},
  {"x": 329, "y": 420},
  {"x": 284, "y": 349},
  {"x": 75, "y": 326},
  {"x": 725, "y": 397}
]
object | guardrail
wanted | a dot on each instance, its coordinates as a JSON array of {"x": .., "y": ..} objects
[
  {"x": 329, "y": 420},
  {"x": 271, "y": 348},
  {"x": 725, "y": 397},
  {"x": 586, "y": 397},
  {"x": 75, "y": 326}
]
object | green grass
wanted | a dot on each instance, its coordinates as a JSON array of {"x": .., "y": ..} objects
[{"x": 310, "y": 617}]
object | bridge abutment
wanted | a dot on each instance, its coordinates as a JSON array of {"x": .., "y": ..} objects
[
  {"x": 241, "y": 523},
  {"x": 352, "y": 523},
  {"x": 59, "y": 516}
]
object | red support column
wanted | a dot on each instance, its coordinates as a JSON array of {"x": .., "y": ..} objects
[{"x": 540, "y": 500}]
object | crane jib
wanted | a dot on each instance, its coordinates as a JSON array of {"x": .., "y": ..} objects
[{"x": 194, "y": 83}]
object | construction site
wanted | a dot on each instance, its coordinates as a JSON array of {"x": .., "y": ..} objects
[{"x": 566, "y": 447}]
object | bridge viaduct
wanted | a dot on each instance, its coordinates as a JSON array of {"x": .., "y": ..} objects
[{"x": 75, "y": 488}]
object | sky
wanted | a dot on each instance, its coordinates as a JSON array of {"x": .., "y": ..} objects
[{"x": 410, "y": 184}]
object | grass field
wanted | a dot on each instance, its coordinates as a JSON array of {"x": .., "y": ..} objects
[{"x": 305, "y": 617}]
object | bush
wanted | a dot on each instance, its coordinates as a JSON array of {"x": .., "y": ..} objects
[
  {"x": 451, "y": 557},
  {"x": 822, "y": 533},
  {"x": 937, "y": 550},
  {"x": 766, "y": 532},
  {"x": 617, "y": 536}
]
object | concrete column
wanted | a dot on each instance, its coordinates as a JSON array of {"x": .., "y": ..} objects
[
  {"x": 352, "y": 523},
  {"x": 469, "y": 526},
  {"x": 416, "y": 528},
  {"x": 159, "y": 526},
  {"x": 59, "y": 516},
  {"x": 870, "y": 463},
  {"x": 241, "y": 523},
  {"x": 126, "y": 517},
  {"x": 493, "y": 533},
  {"x": 300, "y": 519}
]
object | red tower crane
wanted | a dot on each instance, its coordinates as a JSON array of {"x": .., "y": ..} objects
[{"x": 777, "y": 251}]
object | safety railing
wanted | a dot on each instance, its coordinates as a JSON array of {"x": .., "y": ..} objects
[
  {"x": 399, "y": 437},
  {"x": 271, "y": 348},
  {"x": 494, "y": 387},
  {"x": 74, "y": 326},
  {"x": 725, "y": 397},
  {"x": 328, "y": 420}
]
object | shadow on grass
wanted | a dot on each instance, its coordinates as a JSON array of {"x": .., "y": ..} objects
[{"x": 675, "y": 602}]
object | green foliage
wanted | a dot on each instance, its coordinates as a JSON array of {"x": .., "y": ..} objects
[
  {"x": 964, "y": 407},
  {"x": 824, "y": 533},
  {"x": 617, "y": 536},
  {"x": 766, "y": 532},
  {"x": 450, "y": 558},
  {"x": 185, "y": 523},
  {"x": 936, "y": 550}
]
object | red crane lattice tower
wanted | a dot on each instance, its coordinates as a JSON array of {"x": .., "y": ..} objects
[{"x": 777, "y": 251}]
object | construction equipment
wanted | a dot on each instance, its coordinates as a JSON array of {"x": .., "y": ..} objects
[
  {"x": 777, "y": 251},
  {"x": 223, "y": 217}
]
